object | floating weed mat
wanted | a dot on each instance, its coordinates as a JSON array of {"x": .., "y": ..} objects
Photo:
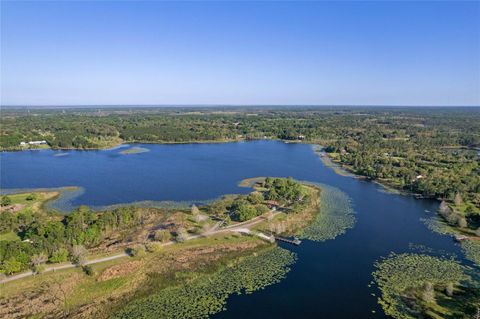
[
  {"x": 208, "y": 294},
  {"x": 470, "y": 248},
  {"x": 335, "y": 218},
  {"x": 403, "y": 281}
]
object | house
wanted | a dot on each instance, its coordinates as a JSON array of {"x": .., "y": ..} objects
[
  {"x": 301, "y": 137},
  {"x": 23, "y": 144},
  {"x": 419, "y": 176},
  {"x": 37, "y": 142},
  {"x": 272, "y": 204}
]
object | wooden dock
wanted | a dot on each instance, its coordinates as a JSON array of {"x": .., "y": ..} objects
[
  {"x": 460, "y": 238},
  {"x": 294, "y": 241}
]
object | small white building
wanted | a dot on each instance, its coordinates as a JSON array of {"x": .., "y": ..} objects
[
  {"x": 23, "y": 144},
  {"x": 37, "y": 142}
]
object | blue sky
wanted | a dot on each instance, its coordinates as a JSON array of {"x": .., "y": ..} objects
[{"x": 326, "y": 53}]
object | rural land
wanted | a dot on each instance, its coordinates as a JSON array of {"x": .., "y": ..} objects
[{"x": 150, "y": 262}]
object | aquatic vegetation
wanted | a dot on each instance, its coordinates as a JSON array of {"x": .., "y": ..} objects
[
  {"x": 470, "y": 248},
  {"x": 61, "y": 154},
  {"x": 135, "y": 150},
  {"x": 250, "y": 182},
  {"x": 207, "y": 294},
  {"x": 63, "y": 203},
  {"x": 413, "y": 285},
  {"x": 335, "y": 217},
  {"x": 328, "y": 162}
]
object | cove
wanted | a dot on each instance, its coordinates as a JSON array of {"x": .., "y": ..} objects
[{"x": 329, "y": 280}]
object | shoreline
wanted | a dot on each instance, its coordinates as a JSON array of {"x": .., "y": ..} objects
[
  {"x": 119, "y": 145},
  {"x": 341, "y": 169}
]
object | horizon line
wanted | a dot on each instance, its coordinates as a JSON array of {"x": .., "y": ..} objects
[{"x": 225, "y": 105}]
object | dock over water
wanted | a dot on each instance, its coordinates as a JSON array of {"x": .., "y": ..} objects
[{"x": 293, "y": 241}]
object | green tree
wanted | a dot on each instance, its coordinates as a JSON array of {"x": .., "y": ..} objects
[
  {"x": 5, "y": 201},
  {"x": 181, "y": 235},
  {"x": 31, "y": 197},
  {"x": 59, "y": 256},
  {"x": 78, "y": 255},
  {"x": 162, "y": 235},
  {"x": 11, "y": 266},
  {"x": 255, "y": 198}
]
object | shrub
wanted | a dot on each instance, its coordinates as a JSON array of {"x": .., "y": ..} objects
[
  {"x": 452, "y": 219},
  {"x": 449, "y": 289},
  {"x": 38, "y": 259},
  {"x": 153, "y": 247},
  {"x": 5, "y": 201},
  {"x": 243, "y": 210},
  {"x": 31, "y": 197},
  {"x": 79, "y": 255},
  {"x": 162, "y": 235},
  {"x": 261, "y": 209},
  {"x": 428, "y": 294},
  {"x": 88, "y": 270},
  {"x": 59, "y": 256},
  {"x": 462, "y": 222},
  {"x": 11, "y": 266},
  {"x": 181, "y": 235},
  {"x": 138, "y": 251},
  {"x": 255, "y": 198},
  {"x": 38, "y": 269}
]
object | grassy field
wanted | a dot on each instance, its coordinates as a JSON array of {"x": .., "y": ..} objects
[
  {"x": 33, "y": 201},
  {"x": 10, "y": 236}
]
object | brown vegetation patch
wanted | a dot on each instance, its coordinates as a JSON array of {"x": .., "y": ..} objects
[
  {"x": 120, "y": 270},
  {"x": 197, "y": 256},
  {"x": 12, "y": 208},
  {"x": 46, "y": 299}
]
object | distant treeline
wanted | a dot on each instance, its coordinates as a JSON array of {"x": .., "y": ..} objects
[{"x": 425, "y": 150}]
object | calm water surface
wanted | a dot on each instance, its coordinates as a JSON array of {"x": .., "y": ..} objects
[{"x": 329, "y": 280}]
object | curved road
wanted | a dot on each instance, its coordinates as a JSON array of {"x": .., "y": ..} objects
[{"x": 243, "y": 227}]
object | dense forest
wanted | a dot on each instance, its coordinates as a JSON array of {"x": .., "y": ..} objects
[
  {"x": 51, "y": 237},
  {"x": 430, "y": 151}
]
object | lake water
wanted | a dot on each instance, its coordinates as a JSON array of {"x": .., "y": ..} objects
[{"x": 329, "y": 280}]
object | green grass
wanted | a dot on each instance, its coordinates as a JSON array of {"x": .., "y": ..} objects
[
  {"x": 10, "y": 236},
  {"x": 91, "y": 289},
  {"x": 40, "y": 198}
]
